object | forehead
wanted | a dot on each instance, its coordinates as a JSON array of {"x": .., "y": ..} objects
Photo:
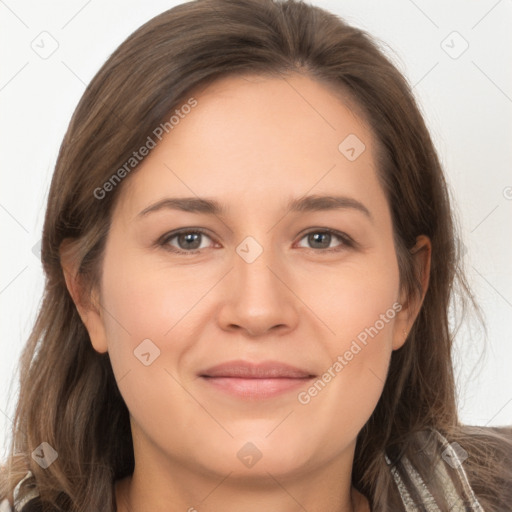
[
  {"x": 260, "y": 135},
  {"x": 287, "y": 111}
]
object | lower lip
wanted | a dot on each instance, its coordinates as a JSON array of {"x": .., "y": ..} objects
[{"x": 256, "y": 388}]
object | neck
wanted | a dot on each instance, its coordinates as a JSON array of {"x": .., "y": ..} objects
[{"x": 135, "y": 493}]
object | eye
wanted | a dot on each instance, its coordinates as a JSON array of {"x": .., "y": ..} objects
[
  {"x": 187, "y": 241},
  {"x": 326, "y": 239}
]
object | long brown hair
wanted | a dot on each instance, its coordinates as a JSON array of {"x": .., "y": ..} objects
[{"x": 68, "y": 394}]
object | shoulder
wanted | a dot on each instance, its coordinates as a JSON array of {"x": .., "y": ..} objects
[
  {"x": 489, "y": 463},
  {"x": 468, "y": 467},
  {"x": 24, "y": 492}
]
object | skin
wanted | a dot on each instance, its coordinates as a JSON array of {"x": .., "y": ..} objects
[{"x": 252, "y": 144}]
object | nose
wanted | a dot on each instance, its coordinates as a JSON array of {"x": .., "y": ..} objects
[{"x": 258, "y": 298}]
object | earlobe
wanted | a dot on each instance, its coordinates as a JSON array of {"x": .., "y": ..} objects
[
  {"x": 399, "y": 338},
  {"x": 421, "y": 253},
  {"x": 89, "y": 307}
]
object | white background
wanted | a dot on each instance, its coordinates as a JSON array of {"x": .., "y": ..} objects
[{"x": 467, "y": 102}]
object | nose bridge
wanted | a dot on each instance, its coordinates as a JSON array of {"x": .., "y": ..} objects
[
  {"x": 256, "y": 300},
  {"x": 252, "y": 269}
]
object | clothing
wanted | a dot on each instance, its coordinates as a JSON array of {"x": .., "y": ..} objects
[
  {"x": 452, "y": 457},
  {"x": 21, "y": 498},
  {"x": 464, "y": 501}
]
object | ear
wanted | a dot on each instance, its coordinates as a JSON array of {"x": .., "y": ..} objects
[
  {"x": 87, "y": 304},
  {"x": 411, "y": 305}
]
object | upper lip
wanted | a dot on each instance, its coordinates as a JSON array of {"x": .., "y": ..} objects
[{"x": 262, "y": 370}]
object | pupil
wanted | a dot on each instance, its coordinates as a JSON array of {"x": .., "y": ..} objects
[
  {"x": 189, "y": 240},
  {"x": 323, "y": 239}
]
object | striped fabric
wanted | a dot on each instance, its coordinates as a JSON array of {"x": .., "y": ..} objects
[
  {"x": 20, "y": 498},
  {"x": 457, "y": 491}
]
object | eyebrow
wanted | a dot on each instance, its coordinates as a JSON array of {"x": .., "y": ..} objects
[{"x": 310, "y": 203}]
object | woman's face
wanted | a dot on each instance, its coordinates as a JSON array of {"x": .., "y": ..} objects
[{"x": 268, "y": 167}]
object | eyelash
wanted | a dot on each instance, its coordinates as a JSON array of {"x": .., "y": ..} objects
[{"x": 346, "y": 241}]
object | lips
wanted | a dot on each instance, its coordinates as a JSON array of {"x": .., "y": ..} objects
[
  {"x": 255, "y": 380},
  {"x": 265, "y": 370}
]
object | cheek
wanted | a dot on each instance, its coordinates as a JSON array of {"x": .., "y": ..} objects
[
  {"x": 146, "y": 300},
  {"x": 355, "y": 300},
  {"x": 347, "y": 391},
  {"x": 359, "y": 305},
  {"x": 146, "y": 309}
]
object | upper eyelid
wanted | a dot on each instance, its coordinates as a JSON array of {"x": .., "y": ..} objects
[{"x": 179, "y": 231}]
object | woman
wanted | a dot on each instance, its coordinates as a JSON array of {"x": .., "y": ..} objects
[{"x": 297, "y": 354}]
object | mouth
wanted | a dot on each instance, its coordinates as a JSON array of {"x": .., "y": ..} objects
[{"x": 255, "y": 380}]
